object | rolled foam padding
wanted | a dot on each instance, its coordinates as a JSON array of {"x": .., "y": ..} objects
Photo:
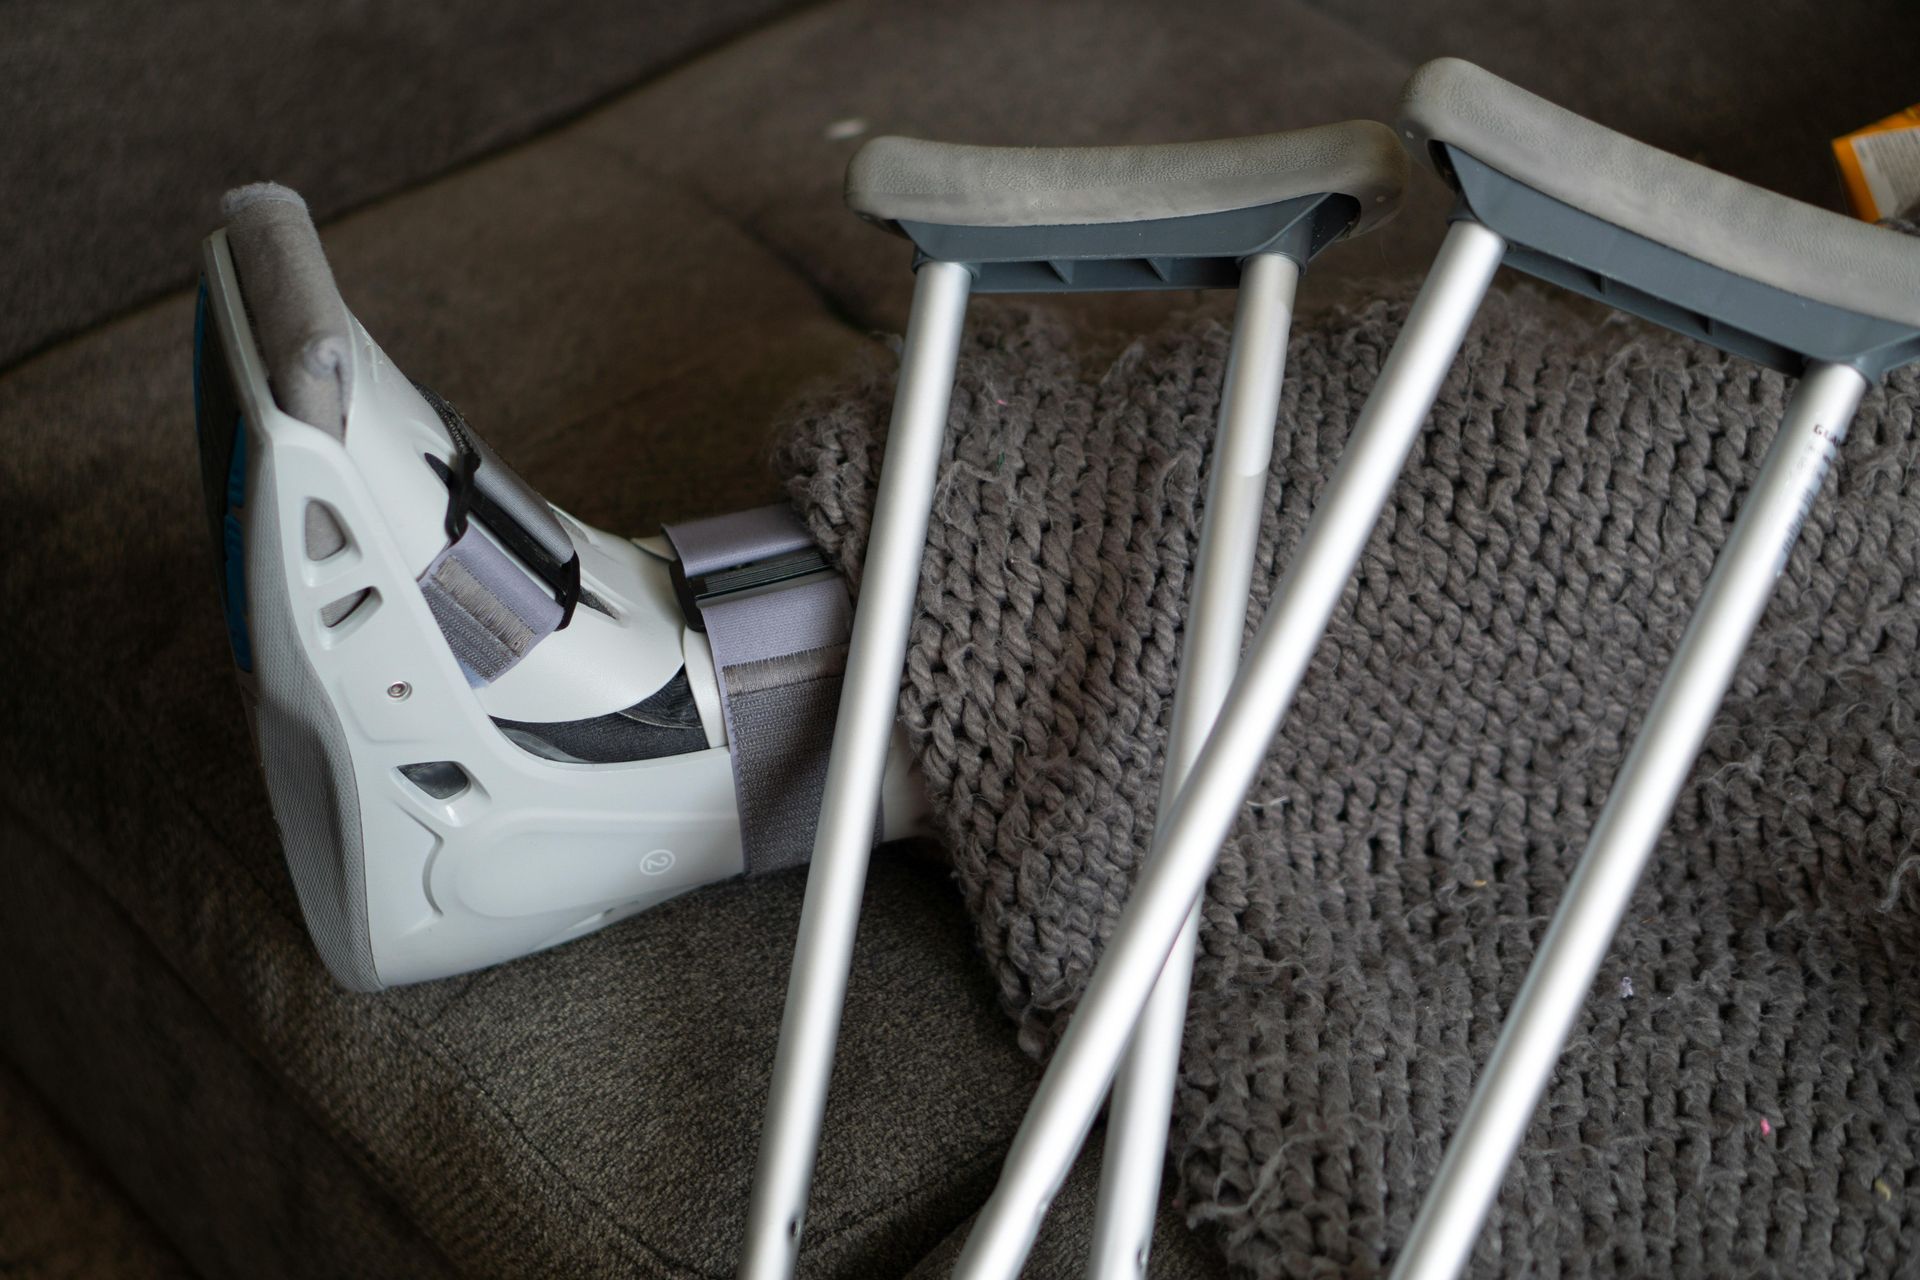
[{"x": 299, "y": 320}]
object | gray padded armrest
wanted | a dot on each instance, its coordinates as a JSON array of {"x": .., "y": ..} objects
[
  {"x": 1724, "y": 222},
  {"x": 298, "y": 317},
  {"x": 893, "y": 179}
]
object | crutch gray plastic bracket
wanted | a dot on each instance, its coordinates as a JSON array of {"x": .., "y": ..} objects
[
  {"x": 1591, "y": 256},
  {"x": 1198, "y": 251}
]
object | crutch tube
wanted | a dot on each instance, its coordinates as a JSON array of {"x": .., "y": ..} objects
[
  {"x": 876, "y": 657},
  {"x": 1008, "y": 220},
  {"x": 1070, "y": 1093},
  {"x": 1142, "y": 1102},
  {"x": 1643, "y": 796}
]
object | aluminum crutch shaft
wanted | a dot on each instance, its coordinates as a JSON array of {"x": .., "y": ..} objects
[
  {"x": 1643, "y": 796},
  {"x": 1070, "y": 1092},
  {"x": 869, "y": 700},
  {"x": 1142, "y": 1102}
]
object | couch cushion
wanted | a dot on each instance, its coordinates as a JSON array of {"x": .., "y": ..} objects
[
  {"x": 63, "y": 1215},
  {"x": 1066, "y": 1236},
  {"x": 125, "y": 122},
  {"x": 206, "y": 1138}
]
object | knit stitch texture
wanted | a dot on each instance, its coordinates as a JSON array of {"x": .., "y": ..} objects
[{"x": 1741, "y": 1094}]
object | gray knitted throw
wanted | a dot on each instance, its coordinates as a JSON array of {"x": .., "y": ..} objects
[{"x": 1742, "y": 1092}]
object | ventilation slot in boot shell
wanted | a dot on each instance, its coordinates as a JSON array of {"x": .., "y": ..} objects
[
  {"x": 441, "y": 779},
  {"x": 342, "y": 617},
  {"x": 340, "y": 611},
  {"x": 325, "y": 534}
]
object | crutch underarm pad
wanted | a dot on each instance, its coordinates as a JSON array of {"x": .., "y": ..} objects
[
  {"x": 893, "y": 179},
  {"x": 1729, "y": 224}
]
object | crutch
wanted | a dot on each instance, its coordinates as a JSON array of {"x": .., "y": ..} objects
[
  {"x": 1189, "y": 834},
  {"x": 1013, "y": 220},
  {"x": 1756, "y": 274},
  {"x": 1140, "y": 1109},
  {"x": 1811, "y": 293}
]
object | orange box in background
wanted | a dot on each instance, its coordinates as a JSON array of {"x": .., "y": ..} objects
[{"x": 1880, "y": 166}]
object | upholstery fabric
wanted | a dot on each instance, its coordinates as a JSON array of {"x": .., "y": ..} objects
[
  {"x": 622, "y": 297},
  {"x": 127, "y": 121}
]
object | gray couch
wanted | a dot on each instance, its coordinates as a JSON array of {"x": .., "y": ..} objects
[{"x": 616, "y": 239}]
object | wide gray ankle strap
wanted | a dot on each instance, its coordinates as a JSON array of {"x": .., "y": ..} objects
[
  {"x": 1732, "y": 225},
  {"x": 893, "y": 179},
  {"x": 777, "y": 620}
]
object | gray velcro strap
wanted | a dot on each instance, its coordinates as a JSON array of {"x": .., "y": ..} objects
[
  {"x": 740, "y": 537},
  {"x": 489, "y": 610},
  {"x": 778, "y": 656}
]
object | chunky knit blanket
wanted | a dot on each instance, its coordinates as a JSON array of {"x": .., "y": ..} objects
[{"x": 1741, "y": 1095}]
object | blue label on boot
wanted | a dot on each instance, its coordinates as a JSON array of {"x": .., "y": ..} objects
[
  {"x": 234, "y": 584},
  {"x": 223, "y": 474}
]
